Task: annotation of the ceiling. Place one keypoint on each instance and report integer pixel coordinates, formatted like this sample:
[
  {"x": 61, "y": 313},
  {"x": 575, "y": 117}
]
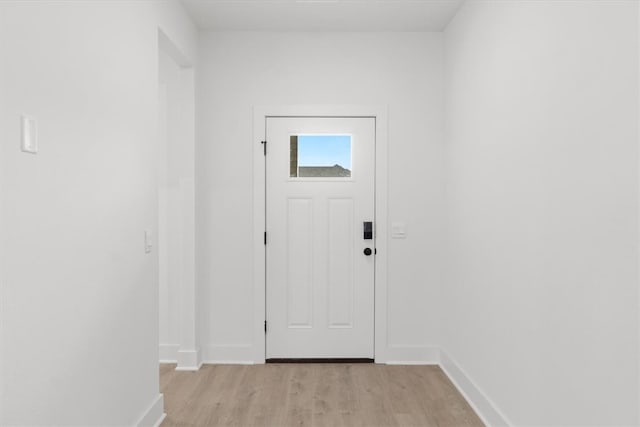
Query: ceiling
[{"x": 322, "y": 15}]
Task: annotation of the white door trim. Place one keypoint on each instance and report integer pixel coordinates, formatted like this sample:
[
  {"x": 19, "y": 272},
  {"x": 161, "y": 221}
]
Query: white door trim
[{"x": 260, "y": 113}]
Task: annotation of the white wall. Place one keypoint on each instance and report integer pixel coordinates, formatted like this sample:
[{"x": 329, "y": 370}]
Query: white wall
[
  {"x": 542, "y": 189},
  {"x": 240, "y": 70},
  {"x": 79, "y": 294}
]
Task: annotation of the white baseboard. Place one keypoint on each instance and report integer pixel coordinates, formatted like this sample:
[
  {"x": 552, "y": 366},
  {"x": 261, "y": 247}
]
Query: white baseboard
[
  {"x": 169, "y": 353},
  {"x": 189, "y": 360},
  {"x": 229, "y": 354},
  {"x": 481, "y": 404},
  {"x": 412, "y": 355},
  {"x": 153, "y": 416}
]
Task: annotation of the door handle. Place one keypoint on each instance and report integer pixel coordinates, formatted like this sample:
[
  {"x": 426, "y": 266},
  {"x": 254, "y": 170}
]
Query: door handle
[{"x": 368, "y": 251}]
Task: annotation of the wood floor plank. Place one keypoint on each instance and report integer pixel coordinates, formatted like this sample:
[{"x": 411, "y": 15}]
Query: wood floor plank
[
  {"x": 317, "y": 395},
  {"x": 374, "y": 401}
]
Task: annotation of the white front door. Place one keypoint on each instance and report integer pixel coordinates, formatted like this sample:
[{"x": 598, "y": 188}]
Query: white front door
[{"x": 320, "y": 251}]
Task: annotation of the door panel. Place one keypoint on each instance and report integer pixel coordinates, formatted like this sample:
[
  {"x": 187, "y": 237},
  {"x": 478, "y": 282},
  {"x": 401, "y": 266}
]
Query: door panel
[
  {"x": 300, "y": 263},
  {"x": 320, "y": 190},
  {"x": 341, "y": 251}
]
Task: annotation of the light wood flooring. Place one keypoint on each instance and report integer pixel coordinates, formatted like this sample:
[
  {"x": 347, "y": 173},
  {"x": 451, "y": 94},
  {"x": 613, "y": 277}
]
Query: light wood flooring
[{"x": 313, "y": 395}]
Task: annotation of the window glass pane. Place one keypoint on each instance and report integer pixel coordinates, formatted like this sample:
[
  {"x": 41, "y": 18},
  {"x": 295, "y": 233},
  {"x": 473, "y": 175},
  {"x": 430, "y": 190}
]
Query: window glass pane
[{"x": 320, "y": 156}]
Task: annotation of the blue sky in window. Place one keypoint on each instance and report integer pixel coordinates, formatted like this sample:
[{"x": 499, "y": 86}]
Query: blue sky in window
[{"x": 324, "y": 150}]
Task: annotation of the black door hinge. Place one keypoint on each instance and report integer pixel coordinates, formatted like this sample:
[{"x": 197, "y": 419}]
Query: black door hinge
[
  {"x": 265, "y": 237},
  {"x": 264, "y": 146},
  {"x": 265, "y": 326}
]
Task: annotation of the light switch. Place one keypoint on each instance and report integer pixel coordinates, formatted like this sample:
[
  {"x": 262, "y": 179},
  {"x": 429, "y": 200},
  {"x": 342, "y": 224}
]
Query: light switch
[
  {"x": 398, "y": 230},
  {"x": 29, "y": 143},
  {"x": 148, "y": 241}
]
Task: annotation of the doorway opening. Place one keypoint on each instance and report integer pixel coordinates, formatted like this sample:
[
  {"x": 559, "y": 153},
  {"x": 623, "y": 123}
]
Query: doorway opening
[{"x": 178, "y": 314}]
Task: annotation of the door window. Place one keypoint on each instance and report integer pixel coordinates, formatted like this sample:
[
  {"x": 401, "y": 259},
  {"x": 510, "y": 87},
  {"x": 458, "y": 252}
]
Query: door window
[{"x": 320, "y": 156}]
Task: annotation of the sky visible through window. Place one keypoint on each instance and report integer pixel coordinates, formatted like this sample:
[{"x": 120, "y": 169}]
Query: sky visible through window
[{"x": 324, "y": 150}]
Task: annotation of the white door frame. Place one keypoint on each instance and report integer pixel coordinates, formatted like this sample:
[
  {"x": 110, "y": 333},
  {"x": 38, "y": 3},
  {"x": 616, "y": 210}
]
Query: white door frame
[{"x": 260, "y": 114}]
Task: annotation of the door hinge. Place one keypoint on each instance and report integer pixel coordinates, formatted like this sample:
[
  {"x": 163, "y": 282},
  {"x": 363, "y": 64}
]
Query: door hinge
[
  {"x": 265, "y": 237},
  {"x": 264, "y": 146},
  {"x": 265, "y": 326}
]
